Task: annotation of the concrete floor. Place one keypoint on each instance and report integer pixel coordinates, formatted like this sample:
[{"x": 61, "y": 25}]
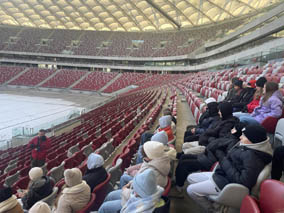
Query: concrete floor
[{"x": 184, "y": 118}]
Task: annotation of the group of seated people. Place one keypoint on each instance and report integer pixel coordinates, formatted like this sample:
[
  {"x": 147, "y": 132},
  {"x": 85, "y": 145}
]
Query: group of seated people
[
  {"x": 141, "y": 184},
  {"x": 229, "y": 144},
  {"x": 74, "y": 196},
  {"x": 228, "y": 136}
]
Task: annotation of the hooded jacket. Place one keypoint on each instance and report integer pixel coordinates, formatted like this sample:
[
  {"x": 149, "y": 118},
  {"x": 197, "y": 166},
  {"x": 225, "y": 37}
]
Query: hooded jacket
[
  {"x": 243, "y": 164},
  {"x": 252, "y": 105},
  {"x": 9, "y": 203},
  {"x": 73, "y": 198},
  {"x": 219, "y": 130},
  {"x": 272, "y": 107},
  {"x": 246, "y": 97},
  {"x": 38, "y": 190},
  {"x": 41, "y": 152},
  {"x": 95, "y": 176}
]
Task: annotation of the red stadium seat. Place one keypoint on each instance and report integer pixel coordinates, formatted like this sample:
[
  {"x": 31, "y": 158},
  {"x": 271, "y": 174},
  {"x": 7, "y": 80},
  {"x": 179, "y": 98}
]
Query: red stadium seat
[
  {"x": 89, "y": 206},
  {"x": 249, "y": 205},
  {"x": 101, "y": 191}
]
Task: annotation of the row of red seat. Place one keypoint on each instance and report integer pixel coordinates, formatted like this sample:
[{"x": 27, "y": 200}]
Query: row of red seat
[{"x": 62, "y": 143}]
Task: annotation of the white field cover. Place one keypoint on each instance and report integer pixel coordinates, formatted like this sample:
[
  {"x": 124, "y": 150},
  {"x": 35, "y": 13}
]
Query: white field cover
[{"x": 30, "y": 112}]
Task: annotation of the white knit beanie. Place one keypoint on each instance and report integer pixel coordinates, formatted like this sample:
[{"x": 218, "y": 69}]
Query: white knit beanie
[
  {"x": 165, "y": 121},
  {"x": 154, "y": 149},
  {"x": 210, "y": 100},
  {"x": 35, "y": 173},
  {"x": 40, "y": 207},
  {"x": 72, "y": 177}
]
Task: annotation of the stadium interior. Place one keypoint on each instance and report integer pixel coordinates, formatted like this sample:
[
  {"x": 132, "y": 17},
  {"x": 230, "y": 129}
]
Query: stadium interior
[{"x": 124, "y": 62}]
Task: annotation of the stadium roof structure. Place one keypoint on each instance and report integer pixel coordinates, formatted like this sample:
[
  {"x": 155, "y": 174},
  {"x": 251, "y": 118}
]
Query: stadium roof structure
[{"x": 124, "y": 15}]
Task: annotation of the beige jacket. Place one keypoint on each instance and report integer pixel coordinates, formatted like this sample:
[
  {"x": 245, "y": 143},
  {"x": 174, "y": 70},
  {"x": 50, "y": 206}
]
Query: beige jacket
[
  {"x": 73, "y": 198},
  {"x": 11, "y": 205}
]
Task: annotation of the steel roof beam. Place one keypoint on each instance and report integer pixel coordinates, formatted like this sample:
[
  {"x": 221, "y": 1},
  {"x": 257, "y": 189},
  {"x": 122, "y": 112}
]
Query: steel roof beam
[
  {"x": 180, "y": 12},
  {"x": 163, "y": 13}
]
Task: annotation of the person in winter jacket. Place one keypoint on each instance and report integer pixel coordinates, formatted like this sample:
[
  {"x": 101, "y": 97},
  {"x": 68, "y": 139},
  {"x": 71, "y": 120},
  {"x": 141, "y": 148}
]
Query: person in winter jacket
[
  {"x": 238, "y": 92},
  {"x": 34, "y": 174},
  {"x": 39, "y": 189},
  {"x": 95, "y": 173},
  {"x": 40, "y": 207},
  {"x": 270, "y": 106},
  {"x": 144, "y": 195},
  {"x": 254, "y": 103},
  {"x": 161, "y": 137},
  {"x": 231, "y": 91},
  {"x": 246, "y": 97},
  {"x": 39, "y": 146},
  {"x": 165, "y": 125},
  {"x": 75, "y": 196},
  {"x": 8, "y": 201},
  {"x": 207, "y": 120},
  {"x": 222, "y": 127},
  {"x": 154, "y": 158},
  {"x": 277, "y": 163},
  {"x": 242, "y": 165},
  {"x": 214, "y": 152}
]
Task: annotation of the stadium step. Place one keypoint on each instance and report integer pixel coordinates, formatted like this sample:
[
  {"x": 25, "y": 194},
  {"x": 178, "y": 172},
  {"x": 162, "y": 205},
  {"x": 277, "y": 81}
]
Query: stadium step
[
  {"x": 78, "y": 81},
  {"x": 49, "y": 77},
  {"x": 15, "y": 77},
  {"x": 110, "y": 82}
]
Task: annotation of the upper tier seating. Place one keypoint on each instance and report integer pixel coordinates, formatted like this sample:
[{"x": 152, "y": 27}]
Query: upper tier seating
[
  {"x": 102, "y": 43},
  {"x": 32, "y": 77}
]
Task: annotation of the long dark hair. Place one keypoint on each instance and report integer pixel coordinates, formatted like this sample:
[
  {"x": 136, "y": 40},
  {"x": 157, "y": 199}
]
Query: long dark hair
[{"x": 270, "y": 88}]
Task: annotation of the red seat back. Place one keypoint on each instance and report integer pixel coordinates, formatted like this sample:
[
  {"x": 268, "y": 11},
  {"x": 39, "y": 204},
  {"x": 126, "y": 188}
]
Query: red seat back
[
  {"x": 168, "y": 188},
  {"x": 249, "y": 204},
  {"x": 271, "y": 196},
  {"x": 101, "y": 191}
]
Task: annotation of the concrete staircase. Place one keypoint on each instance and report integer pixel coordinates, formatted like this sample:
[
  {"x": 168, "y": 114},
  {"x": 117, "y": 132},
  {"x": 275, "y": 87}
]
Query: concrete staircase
[
  {"x": 77, "y": 82},
  {"x": 17, "y": 76},
  {"x": 49, "y": 77},
  {"x": 110, "y": 82}
]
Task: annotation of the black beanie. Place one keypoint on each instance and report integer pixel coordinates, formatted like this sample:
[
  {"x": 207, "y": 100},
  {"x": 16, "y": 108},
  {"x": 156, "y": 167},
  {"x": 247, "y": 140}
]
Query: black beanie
[
  {"x": 5, "y": 193},
  {"x": 255, "y": 133},
  {"x": 213, "y": 108},
  {"x": 226, "y": 110},
  {"x": 260, "y": 82},
  {"x": 238, "y": 83}
]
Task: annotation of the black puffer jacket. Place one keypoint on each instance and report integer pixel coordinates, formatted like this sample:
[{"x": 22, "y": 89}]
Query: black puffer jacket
[
  {"x": 206, "y": 123},
  {"x": 38, "y": 190},
  {"x": 221, "y": 129},
  {"x": 245, "y": 98},
  {"x": 216, "y": 151},
  {"x": 242, "y": 165},
  {"x": 95, "y": 176}
]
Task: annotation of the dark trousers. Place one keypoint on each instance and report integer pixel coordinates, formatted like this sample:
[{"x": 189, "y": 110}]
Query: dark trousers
[
  {"x": 186, "y": 165},
  {"x": 277, "y": 163},
  {"x": 37, "y": 163}
]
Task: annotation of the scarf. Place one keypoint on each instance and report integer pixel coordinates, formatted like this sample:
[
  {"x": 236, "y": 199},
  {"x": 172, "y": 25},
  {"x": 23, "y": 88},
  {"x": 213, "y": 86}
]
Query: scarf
[{"x": 142, "y": 205}]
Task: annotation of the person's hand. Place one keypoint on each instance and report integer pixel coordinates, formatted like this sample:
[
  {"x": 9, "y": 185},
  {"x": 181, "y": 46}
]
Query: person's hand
[
  {"x": 127, "y": 186},
  {"x": 21, "y": 194},
  {"x": 193, "y": 131}
]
